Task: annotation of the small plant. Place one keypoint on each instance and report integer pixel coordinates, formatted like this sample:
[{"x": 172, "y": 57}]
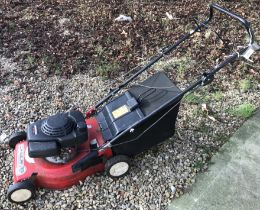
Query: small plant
[
  {"x": 194, "y": 98},
  {"x": 182, "y": 65},
  {"x": 165, "y": 65},
  {"x": 244, "y": 110},
  {"x": 30, "y": 60},
  {"x": 197, "y": 112},
  {"x": 105, "y": 69},
  {"x": 245, "y": 85},
  {"x": 57, "y": 69},
  {"x": 218, "y": 95},
  {"x": 99, "y": 50},
  {"x": 45, "y": 59},
  {"x": 199, "y": 165},
  {"x": 8, "y": 82},
  {"x": 222, "y": 138}
]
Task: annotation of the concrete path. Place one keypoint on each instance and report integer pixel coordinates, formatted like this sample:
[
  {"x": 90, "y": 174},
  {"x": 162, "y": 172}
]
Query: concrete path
[{"x": 233, "y": 181}]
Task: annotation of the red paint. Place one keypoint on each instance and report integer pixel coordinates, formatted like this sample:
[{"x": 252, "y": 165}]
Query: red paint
[
  {"x": 90, "y": 112},
  {"x": 59, "y": 176}
]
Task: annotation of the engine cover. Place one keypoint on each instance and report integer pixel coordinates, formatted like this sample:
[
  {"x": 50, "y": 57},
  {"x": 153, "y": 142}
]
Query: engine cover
[{"x": 47, "y": 136}]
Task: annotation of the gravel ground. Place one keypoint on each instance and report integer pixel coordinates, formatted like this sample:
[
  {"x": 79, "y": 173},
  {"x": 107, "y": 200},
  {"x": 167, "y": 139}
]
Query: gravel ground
[{"x": 157, "y": 176}]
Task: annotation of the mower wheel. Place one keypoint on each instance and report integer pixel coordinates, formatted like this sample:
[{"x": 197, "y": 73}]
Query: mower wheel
[
  {"x": 117, "y": 166},
  {"x": 16, "y": 138},
  {"x": 21, "y": 192}
]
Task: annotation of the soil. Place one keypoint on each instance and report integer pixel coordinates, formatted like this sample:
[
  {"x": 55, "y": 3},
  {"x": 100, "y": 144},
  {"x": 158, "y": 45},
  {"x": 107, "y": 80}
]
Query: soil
[{"x": 72, "y": 36}]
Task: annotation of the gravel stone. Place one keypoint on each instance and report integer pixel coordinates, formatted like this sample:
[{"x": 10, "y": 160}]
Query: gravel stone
[{"x": 157, "y": 176}]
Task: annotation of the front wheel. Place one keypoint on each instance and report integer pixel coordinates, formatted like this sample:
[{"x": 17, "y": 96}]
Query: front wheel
[
  {"x": 21, "y": 192},
  {"x": 117, "y": 166},
  {"x": 16, "y": 138}
]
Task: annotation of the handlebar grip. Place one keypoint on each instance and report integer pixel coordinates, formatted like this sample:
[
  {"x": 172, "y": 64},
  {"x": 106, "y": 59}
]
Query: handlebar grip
[{"x": 242, "y": 20}]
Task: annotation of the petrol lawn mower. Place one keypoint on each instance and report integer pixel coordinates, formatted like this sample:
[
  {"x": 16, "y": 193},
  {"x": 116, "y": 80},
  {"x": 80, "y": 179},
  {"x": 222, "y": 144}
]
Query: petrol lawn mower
[{"x": 63, "y": 149}]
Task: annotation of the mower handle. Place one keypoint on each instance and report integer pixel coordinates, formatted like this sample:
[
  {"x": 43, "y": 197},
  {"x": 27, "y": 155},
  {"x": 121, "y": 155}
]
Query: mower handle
[{"x": 235, "y": 16}]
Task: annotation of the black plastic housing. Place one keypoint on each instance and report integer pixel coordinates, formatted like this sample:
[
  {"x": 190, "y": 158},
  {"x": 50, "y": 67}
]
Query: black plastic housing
[
  {"x": 47, "y": 136},
  {"x": 157, "y": 122},
  {"x": 111, "y": 126}
]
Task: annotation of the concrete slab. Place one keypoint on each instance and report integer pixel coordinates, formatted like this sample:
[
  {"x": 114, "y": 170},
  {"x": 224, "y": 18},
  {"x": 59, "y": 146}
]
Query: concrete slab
[{"x": 233, "y": 181}]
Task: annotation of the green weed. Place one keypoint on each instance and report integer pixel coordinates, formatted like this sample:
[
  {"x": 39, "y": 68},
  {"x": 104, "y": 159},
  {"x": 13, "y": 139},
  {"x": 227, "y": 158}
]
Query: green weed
[
  {"x": 218, "y": 96},
  {"x": 197, "y": 112},
  {"x": 194, "y": 98},
  {"x": 245, "y": 85},
  {"x": 57, "y": 69},
  {"x": 182, "y": 65},
  {"x": 221, "y": 138},
  {"x": 105, "y": 69},
  {"x": 30, "y": 60},
  {"x": 244, "y": 110},
  {"x": 99, "y": 50},
  {"x": 45, "y": 59},
  {"x": 8, "y": 82}
]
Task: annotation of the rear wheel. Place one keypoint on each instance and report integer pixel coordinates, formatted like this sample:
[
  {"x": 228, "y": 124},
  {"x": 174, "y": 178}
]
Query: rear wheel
[
  {"x": 16, "y": 138},
  {"x": 21, "y": 192},
  {"x": 117, "y": 166}
]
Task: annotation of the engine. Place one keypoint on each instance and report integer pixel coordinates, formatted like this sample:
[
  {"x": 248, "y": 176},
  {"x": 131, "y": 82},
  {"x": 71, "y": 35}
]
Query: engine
[{"x": 47, "y": 137}]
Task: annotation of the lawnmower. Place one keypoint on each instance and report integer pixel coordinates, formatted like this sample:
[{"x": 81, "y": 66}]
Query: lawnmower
[{"x": 61, "y": 150}]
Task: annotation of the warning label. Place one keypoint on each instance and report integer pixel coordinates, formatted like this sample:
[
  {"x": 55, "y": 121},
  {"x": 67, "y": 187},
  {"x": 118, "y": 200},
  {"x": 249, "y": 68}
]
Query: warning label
[{"x": 122, "y": 110}]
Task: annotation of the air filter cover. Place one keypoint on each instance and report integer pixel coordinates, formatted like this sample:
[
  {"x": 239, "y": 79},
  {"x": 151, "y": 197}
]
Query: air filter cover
[
  {"x": 57, "y": 125},
  {"x": 48, "y": 136}
]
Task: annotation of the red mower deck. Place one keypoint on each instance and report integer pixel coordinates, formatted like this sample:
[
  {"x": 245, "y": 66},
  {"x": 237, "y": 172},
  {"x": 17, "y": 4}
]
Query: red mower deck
[{"x": 57, "y": 176}]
